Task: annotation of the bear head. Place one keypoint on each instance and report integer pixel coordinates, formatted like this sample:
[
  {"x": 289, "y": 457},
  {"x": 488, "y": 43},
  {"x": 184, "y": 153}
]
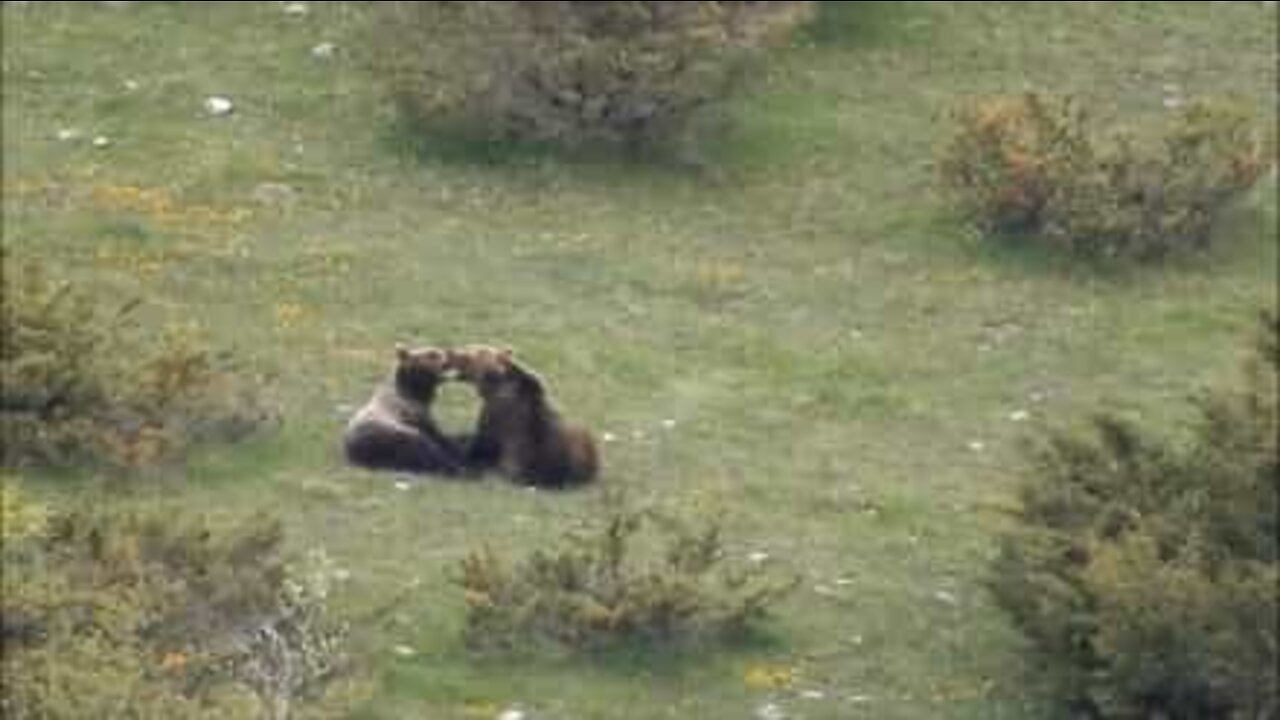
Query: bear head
[
  {"x": 493, "y": 370},
  {"x": 420, "y": 370}
]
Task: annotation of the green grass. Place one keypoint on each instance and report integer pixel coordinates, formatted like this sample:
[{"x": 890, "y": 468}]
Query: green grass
[{"x": 826, "y": 335}]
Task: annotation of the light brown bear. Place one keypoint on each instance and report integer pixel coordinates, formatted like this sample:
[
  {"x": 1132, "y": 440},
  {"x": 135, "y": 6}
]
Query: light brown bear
[
  {"x": 395, "y": 429},
  {"x": 519, "y": 431}
]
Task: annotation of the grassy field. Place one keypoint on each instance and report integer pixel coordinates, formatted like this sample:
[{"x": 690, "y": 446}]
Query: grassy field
[{"x": 802, "y": 340}]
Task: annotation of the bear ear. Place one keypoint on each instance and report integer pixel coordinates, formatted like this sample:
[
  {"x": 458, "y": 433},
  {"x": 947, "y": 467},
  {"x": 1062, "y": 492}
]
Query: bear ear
[
  {"x": 402, "y": 352},
  {"x": 506, "y": 353}
]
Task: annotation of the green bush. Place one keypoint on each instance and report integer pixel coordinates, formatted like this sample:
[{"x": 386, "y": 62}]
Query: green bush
[
  {"x": 1033, "y": 167},
  {"x": 1146, "y": 570},
  {"x": 79, "y": 383},
  {"x": 625, "y": 73},
  {"x": 600, "y": 588},
  {"x": 139, "y": 615}
]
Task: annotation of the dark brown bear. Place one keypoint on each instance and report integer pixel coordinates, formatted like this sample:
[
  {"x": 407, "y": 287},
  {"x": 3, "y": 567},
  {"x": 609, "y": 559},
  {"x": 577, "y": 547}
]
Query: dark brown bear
[
  {"x": 519, "y": 431},
  {"x": 395, "y": 429}
]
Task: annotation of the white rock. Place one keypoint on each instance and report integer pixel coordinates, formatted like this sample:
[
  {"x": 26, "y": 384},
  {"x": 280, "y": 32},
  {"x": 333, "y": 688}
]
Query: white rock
[
  {"x": 770, "y": 711},
  {"x": 977, "y": 445},
  {"x": 102, "y": 141},
  {"x": 69, "y": 134},
  {"x": 324, "y": 51},
  {"x": 296, "y": 9},
  {"x": 272, "y": 193},
  {"x": 813, "y": 695},
  {"x": 668, "y": 424},
  {"x": 758, "y": 557},
  {"x": 513, "y": 714},
  {"x": 946, "y": 597},
  {"x": 859, "y": 699},
  {"x": 608, "y": 437},
  {"x": 403, "y": 486},
  {"x": 217, "y": 105},
  {"x": 1173, "y": 102},
  {"x": 404, "y": 651},
  {"x": 1019, "y": 416},
  {"x": 131, "y": 85},
  {"x": 843, "y": 582}
]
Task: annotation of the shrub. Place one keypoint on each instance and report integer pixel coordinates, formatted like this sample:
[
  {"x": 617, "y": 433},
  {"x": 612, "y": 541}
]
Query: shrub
[
  {"x": 1033, "y": 167},
  {"x": 80, "y": 383},
  {"x": 597, "y": 590},
  {"x": 128, "y": 615},
  {"x": 624, "y": 73},
  {"x": 1145, "y": 571}
]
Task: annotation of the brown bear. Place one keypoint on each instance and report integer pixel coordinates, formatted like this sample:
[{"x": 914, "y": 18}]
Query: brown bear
[
  {"x": 395, "y": 429},
  {"x": 519, "y": 431}
]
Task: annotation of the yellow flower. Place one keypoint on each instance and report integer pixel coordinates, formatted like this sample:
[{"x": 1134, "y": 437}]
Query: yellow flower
[
  {"x": 288, "y": 314},
  {"x": 479, "y": 709},
  {"x": 768, "y": 677},
  {"x": 173, "y": 661}
]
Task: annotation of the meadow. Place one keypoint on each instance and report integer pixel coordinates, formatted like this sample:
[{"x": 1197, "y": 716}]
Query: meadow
[{"x": 800, "y": 338}]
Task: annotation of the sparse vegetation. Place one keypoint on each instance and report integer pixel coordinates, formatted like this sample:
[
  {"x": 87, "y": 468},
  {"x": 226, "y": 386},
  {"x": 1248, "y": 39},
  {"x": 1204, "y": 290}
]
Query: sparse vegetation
[
  {"x": 154, "y": 615},
  {"x": 603, "y": 587},
  {"x": 1034, "y": 167},
  {"x": 82, "y": 383},
  {"x": 1146, "y": 571},
  {"x": 633, "y": 74}
]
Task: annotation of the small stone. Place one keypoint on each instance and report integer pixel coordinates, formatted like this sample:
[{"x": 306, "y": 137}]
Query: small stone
[
  {"x": 1019, "y": 416},
  {"x": 131, "y": 85},
  {"x": 404, "y": 651},
  {"x": 668, "y": 424},
  {"x": 946, "y": 597},
  {"x": 608, "y": 437},
  {"x": 274, "y": 194},
  {"x": 977, "y": 446},
  {"x": 859, "y": 699},
  {"x": 402, "y": 486},
  {"x": 758, "y": 557},
  {"x": 102, "y": 141},
  {"x": 69, "y": 134},
  {"x": 770, "y": 711},
  {"x": 513, "y": 714},
  {"x": 324, "y": 51},
  {"x": 219, "y": 106},
  {"x": 844, "y": 582},
  {"x": 296, "y": 9},
  {"x": 813, "y": 695},
  {"x": 1173, "y": 102}
]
